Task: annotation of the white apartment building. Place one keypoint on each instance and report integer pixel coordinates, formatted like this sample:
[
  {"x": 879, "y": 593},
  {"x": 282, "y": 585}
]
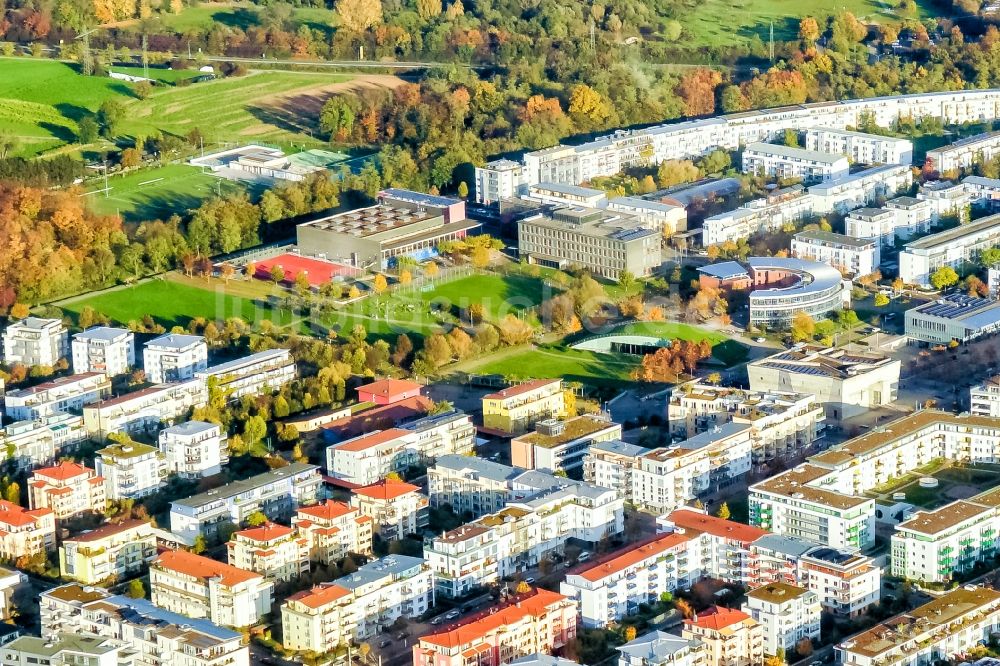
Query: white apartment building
[
  {"x": 558, "y": 444},
  {"x": 194, "y": 449},
  {"x": 104, "y": 349},
  {"x": 69, "y": 489},
  {"x": 658, "y": 648},
  {"x": 161, "y": 637},
  {"x": 131, "y": 469},
  {"x": 396, "y": 508},
  {"x": 144, "y": 411},
  {"x": 939, "y": 630},
  {"x": 174, "y": 357},
  {"x": 277, "y": 552},
  {"x": 878, "y": 224},
  {"x": 913, "y": 216},
  {"x": 199, "y": 587},
  {"x": 847, "y": 583},
  {"x": 25, "y": 531},
  {"x": 858, "y": 147},
  {"x": 499, "y": 179},
  {"x": 863, "y": 188},
  {"x": 984, "y": 399},
  {"x": 115, "y": 551},
  {"x": 733, "y": 638},
  {"x": 333, "y": 530},
  {"x": 851, "y": 256},
  {"x": 667, "y": 218},
  {"x": 357, "y": 606},
  {"x": 34, "y": 341},
  {"x": 567, "y": 195},
  {"x": 965, "y": 153},
  {"x": 786, "y": 614},
  {"x": 954, "y": 247},
  {"x": 67, "y": 650},
  {"x": 256, "y": 374},
  {"x": 470, "y": 483},
  {"x": 277, "y": 493},
  {"x": 787, "y": 205},
  {"x": 783, "y": 162},
  {"x": 983, "y": 192},
  {"x": 37, "y": 443},
  {"x": 59, "y": 395},
  {"x": 946, "y": 198}
]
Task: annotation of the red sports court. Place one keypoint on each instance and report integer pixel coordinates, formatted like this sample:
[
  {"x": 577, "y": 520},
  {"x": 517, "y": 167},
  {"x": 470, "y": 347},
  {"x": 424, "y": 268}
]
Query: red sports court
[{"x": 319, "y": 271}]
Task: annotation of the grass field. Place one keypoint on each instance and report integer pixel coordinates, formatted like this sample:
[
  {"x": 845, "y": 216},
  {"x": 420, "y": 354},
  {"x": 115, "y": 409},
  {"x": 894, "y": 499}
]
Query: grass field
[
  {"x": 572, "y": 365},
  {"x": 727, "y": 351},
  {"x": 206, "y": 16},
  {"x": 163, "y": 74}
]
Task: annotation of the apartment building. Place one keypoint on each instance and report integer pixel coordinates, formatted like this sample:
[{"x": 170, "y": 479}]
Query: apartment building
[
  {"x": 144, "y": 411},
  {"x": 37, "y": 443},
  {"x": 603, "y": 241},
  {"x": 732, "y": 637},
  {"x": 983, "y": 192},
  {"x": 365, "y": 459},
  {"x": 499, "y": 179},
  {"x": 787, "y": 205},
  {"x": 863, "y": 188},
  {"x": 12, "y": 582},
  {"x": 396, "y": 508},
  {"x": 984, "y": 399},
  {"x": 25, "y": 531},
  {"x": 784, "y": 162},
  {"x": 333, "y": 530},
  {"x": 787, "y": 614},
  {"x": 194, "y": 449},
  {"x": 781, "y": 423},
  {"x": 851, "y": 256},
  {"x": 567, "y": 195},
  {"x": 858, "y": 147},
  {"x": 658, "y": 648},
  {"x": 913, "y": 216},
  {"x": 965, "y": 153},
  {"x": 358, "y": 606},
  {"x": 277, "y": 493},
  {"x": 878, "y": 224},
  {"x": 174, "y": 357},
  {"x": 847, "y": 583},
  {"x": 262, "y": 372},
  {"x": 277, "y": 552},
  {"x": 131, "y": 469},
  {"x": 537, "y": 622},
  {"x": 723, "y": 546},
  {"x": 56, "y": 396},
  {"x": 199, "y": 587},
  {"x": 516, "y": 409},
  {"x": 67, "y": 650},
  {"x": 116, "y": 551},
  {"x": 104, "y": 349},
  {"x": 940, "y": 630},
  {"x": 561, "y": 444},
  {"x": 161, "y": 637},
  {"x": 469, "y": 483},
  {"x": 665, "y": 217},
  {"x": 946, "y": 199},
  {"x": 954, "y": 247},
  {"x": 846, "y": 382},
  {"x": 35, "y": 341},
  {"x": 69, "y": 489}
]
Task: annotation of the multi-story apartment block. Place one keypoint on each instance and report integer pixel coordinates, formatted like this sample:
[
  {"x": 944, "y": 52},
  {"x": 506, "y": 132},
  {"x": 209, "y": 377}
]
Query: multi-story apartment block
[
  {"x": 12, "y": 582},
  {"x": 605, "y": 242},
  {"x": 199, "y": 587},
  {"x": 68, "y": 489},
  {"x": 359, "y": 605},
  {"x": 34, "y": 341},
  {"x": 913, "y": 216},
  {"x": 262, "y": 372},
  {"x": 787, "y": 614},
  {"x": 277, "y": 493},
  {"x": 876, "y": 224},
  {"x": 174, "y": 357},
  {"x": 516, "y": 409},
  {"x": 130, "y": 469},
  {"x": 396, "y": 508},
  {"x": 333, "y": 530},
  {"x": 782, "y": 206},
  {"x": 783, "y": 162},
  {"x": 658, "y": 648},
  {"x": 863, "y": 188},
  {"x": 469, "y": 483},
  {"x": 859, "y": 147},
  {"x": 732, "y": 637},
  {"x": 558, "y": 444},
  {"x": 567, "y": 195},
  {"x": 983, "y": 192},
  {"x": 946, "y": 198},
  {"x": 940, "y": 630},
  {"x": 664, "y": 217},
  {"x": 67, "y": 650},
  {"x": 537, "y": 622},
  {"x": 499, "y": 179},
  {"x": 37, "y": 443},
  {"x": 781, "y": 423},
  {"x": 984, "y": 398},
  {"x": 723, "y": 546},
  {"x": 954, "y": 247},
  {"x": 194, "y": 449},
  {"x": 144, "y": 411},
  {"x": 849, "y": 255},
  {"x": 104, "y": 349},
  {"x": 845, "y": 382},
  {"x": 965, "y": 153},
  {"x": 111, "y": 552},
  {"x": 25, "y": 531},
  {"x": 276, "y": 551},
  {"x": 847, "y": 583},
  {"x": 161, "y": 637},
  {"x": 56, "y": 396}
]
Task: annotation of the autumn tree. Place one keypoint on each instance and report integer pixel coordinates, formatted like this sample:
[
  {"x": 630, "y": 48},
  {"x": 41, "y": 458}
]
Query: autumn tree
[
  {"x": 21, "y": 310},
  {"x": 944, "y": 277},
  {"x": 881, "y": 300},
  {"x": 513, "y": 331},
  {"x": 676, "y": 172},
  {"x": 136, "y": 590},
  {"x": 685, "y": 609},
  {"x": 630, "y": 633},
  {"x": 379, "y": 284},
  {"x": 589, "y": 108},
  {"x": 724, "y": 512},
  {"x": 803, "y": 327},
  {"x": 809, "y": 30},
  {"x": 359, "y": 15},
  {"x": 256, "y": 519},
  {"x": 428, "y": 9},
  {"x": 696, "y": 90}
]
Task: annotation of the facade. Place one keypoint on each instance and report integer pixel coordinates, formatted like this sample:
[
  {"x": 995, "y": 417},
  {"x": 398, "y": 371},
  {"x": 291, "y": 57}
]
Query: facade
[
  {"x": 516, "y": 409},
  {"x": 783, "y": 206},
  {"x": 786, "y": 286},
  {"x": 983, "y": 192},
  {"x": 115, "y": 551},
  {"x": 468, "y": 483},
  {"x": 275, "y": 551},
  {"x": 499, "y": 179},
  {"x": 849, "y": 255},
  {"x": 863, "y": 188},
  {"x": 276, "y": 493},
  {"x": 965, "y": 153},
  {"x": 34, "y": 341},
  {"x": 913, "y": 216},
  {"x": 858, "y": 147},
  {"x": 658, "y": 648},
  {"x": 37, "y": 443},
  {"x": 562, "y": 444},
  {"x": 104, "y": 349},
  {"x": 131, "y": 469},
  {"x": 733, "y": 638},
  {"x": 68, "y": 489},
  {"x": 174, "y": 357},
  {"x": 199, "y": 587},
  {"x": 144, "y": 411},
  {"x": 662, "y": 216},
  {"x": 25, "y": 531},
  {"x": 567, "y": 195},
  {"x": 946, "y": 198},
  {"x": 846, "y": 382},
  {"x": 262, "y": 372},
  {"x": 783, "y": 162},
  {"x": 787, "y": 614},
  {"x": 193, "y": 449},
  {"x": 984, "y": 399},
  {"x": 952, "y": 317},
  {"x": 605, "y": 242},
  {"x": 954, "y": 247},
  {"x": 67, "y": 650},
  {"x": 847, "y": 583},
  {"x": 396, "y": 508},
  {"x": 878, "y": 224},
  {"x": 333, "y": 530},
  {"x": 537, "y": 622},
  {"x": 56, "y": 396}
]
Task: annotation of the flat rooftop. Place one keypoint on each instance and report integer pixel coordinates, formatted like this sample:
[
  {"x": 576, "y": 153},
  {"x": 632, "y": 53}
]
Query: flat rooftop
[
  {"x": 236, "y": 488},
  {"x": 365, "y": 222},
  {"x": 834, "y": 240},
  {"x": 574, "y": 428},
  {"x": 594, "y": 223},
  {"x": 985, "y": 225},
  {"x": 973, "y": 312},
  {"x": 789, "y": 152}
]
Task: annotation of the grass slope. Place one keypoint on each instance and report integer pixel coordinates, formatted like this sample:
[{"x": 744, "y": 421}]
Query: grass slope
[{"x": 573, "y": 365}]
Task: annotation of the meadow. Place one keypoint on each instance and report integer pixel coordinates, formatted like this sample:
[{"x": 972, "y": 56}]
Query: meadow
[
  {"x": 572, "y": 365},
  {"x": 243, "y": 16}
]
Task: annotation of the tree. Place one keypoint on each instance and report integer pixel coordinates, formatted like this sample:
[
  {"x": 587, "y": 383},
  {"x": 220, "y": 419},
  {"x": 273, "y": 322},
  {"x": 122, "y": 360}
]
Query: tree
[
  {"x": 463, "y": 190},
  {"x": 428, "y": 9},
  {"x": 131, "y": 158},
  {"x": 714, "y": 378},
  {"x": 803, "y": 327},
  {"x": 630, "y": 633},
  {"x": 697, "y": 91},
  {"x": 200, "y": 545},
  {"x": 277, "y": 274},
  {"x": 379, "y": 285},
  {"x": 676, "y": 172},
  {"x": 523, "y": 587},
  {"x": 136, "y": 590},
  {"x": 359, "y": 15},
  {"x": 724, "y": 512},
  {"x": 685, "y": 609},
  {"x": 881, "y": 300},
  {"x": 405, "y": 277},
  {"x": 21, "y": 310},
  {"x": 254, "y": 430},
  {"x": 302, "y": 284},
  {"x": 431, "y": 269},
  {"x": 480, "y": 256},
  {"x": 256, "y": 519},
  {"x": 809, "y": 30},
  {"x": 87, "y": 130},
  {"x": 775, "y": 660},
  {"x": 944, "y": 277},
  {"x": 110, "y": 116},
  {"x": 589, "y": 108},
  {"x": 804, "y": 647},
  {"x": 12, "y": 493},
  {"x": 626, "y": 280}
]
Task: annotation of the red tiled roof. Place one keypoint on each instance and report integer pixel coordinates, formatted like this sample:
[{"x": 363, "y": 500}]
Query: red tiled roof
[
  {"x": 718, "y": 617},
  {"x": 321, "y": 595},
  {"x": 372, "y": 439},
  {"x": 627, "y": 557},
  {"x": 389, "y": 387},
  {"x": 181, "y": 561},
  {"x": 380, "y": 417},
  {"x": 386, "y": 489},
  {"x": 266, "y": 532},
  {"x": 519, "y": 389},
  {"x": 105, "y": 531},
  {"x": 63, "y": 471},
  {"x": 18, "y": 516},
  {"x": 472, "y": 630},
  {"x": 727, "y": 529},
  {"x": 328, "y": 510}
]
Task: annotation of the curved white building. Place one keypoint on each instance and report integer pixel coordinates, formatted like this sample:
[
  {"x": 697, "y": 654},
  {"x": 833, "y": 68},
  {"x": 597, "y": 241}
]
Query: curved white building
[{"x": 784, "y": 286}]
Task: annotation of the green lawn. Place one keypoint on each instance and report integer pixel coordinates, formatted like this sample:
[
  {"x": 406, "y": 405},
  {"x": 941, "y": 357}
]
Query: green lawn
[
  {"x": 572, "y": 365},
  {"x": 205, "y": 16},
  {"x": 164, "y": 74},
  {"x": 729, "y": 352}
]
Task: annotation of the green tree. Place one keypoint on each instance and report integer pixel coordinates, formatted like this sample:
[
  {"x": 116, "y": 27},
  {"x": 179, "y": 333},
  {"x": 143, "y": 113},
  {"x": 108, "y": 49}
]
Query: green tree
[
  {"x": 110, "y": 116},
  {"x": 200, "y": 545},
  {"x": 136, "y": 590},
  {"x": 626, "y": 280},
  {"x": 87, "y": 130},
  {"x": 254, "y": 430},
  {"x": 944, "y": 277},
  {"x": 277, "y": 274},
  {"x": 12, "y": 493},
  {"x": 256, "y": 519}
]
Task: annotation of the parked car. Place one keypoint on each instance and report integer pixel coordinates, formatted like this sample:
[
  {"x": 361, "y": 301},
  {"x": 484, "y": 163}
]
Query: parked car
[
  {"x": 387, "y": 643},
  {"x": 529, "y": 580},
  {"x": 451, "y": 615},
  {"x": 584, "y": 556}
]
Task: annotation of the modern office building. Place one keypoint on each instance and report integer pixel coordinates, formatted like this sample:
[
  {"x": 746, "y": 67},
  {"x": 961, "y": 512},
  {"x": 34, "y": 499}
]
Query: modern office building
[
  {"x": 567, "y": 195},
  {"x": 851, "y": 256},
  {"x": 782, "y": 286},
  {"x": 558, "y": 444},
  {"x": 954, "y": 247},
  {"x": 174, "y": 357},
  {"x": 952, "y": 317},
  {"x": 104, "y": 349},
  {"x": 35, "y": 341},
  {"x": 784, "y": 162},
  {"x": 859, "y": 147},
  {"x": 664, "y": 216}
]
